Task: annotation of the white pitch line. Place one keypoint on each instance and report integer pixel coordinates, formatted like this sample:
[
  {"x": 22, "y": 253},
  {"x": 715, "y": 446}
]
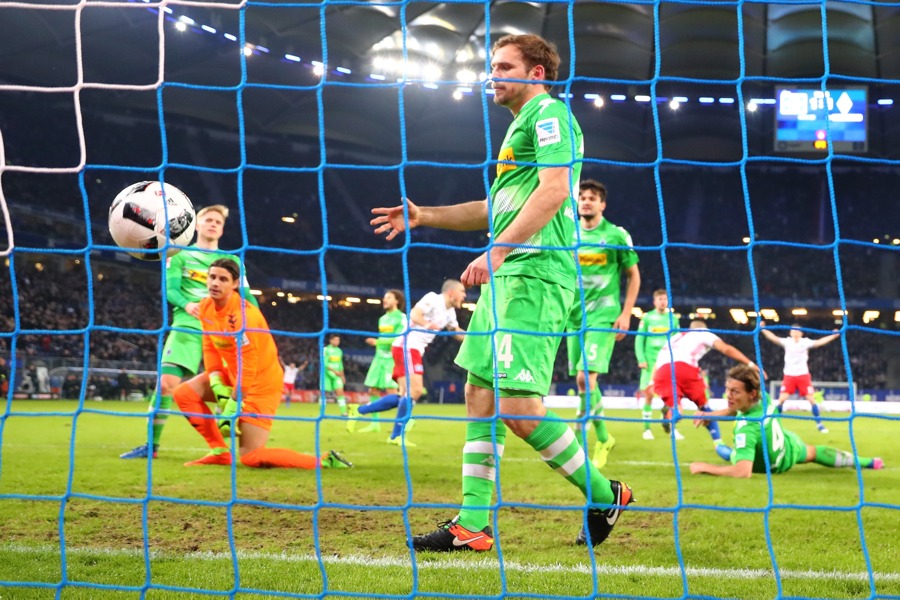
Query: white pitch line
[{"x": 486, "y": 564}]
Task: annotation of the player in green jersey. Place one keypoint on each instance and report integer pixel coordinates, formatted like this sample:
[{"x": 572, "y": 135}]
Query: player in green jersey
[
  {"x": 781, "y": 447},
  {"x": 528, "y": 285},
  {"x": 182, "y": 353},
  {"x": 606, "y": 256},
  {"x": 647, "y": 347},
  {"x": 379, "y": 378},
  {"x": 334, "y": 379}
]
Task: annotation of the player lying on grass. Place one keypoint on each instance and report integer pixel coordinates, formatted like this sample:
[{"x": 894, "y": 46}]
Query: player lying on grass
[
  {"x": 235, "y": 334},
  {"x": 784, "y": 448}
]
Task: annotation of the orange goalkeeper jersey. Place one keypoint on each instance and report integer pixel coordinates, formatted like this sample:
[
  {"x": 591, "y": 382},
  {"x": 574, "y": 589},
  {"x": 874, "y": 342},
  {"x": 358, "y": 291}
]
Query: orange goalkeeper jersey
[{"x": 261, "y": 372}]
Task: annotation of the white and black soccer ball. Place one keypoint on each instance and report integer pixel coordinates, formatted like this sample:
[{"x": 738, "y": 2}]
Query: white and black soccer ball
[{"x": 137, "y": 219}]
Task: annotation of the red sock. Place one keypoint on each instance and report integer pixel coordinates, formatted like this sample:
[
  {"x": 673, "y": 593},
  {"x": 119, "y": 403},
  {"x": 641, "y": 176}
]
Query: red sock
[
  {"x": 279, "y": 458},
  {"x": 190, "y": 402}
]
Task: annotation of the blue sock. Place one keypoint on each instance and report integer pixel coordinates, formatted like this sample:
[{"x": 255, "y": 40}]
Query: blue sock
[
  {"x": 402, "y": 412},
  {"x": 815, "y": 412},
  {"x": 712, "y": 426},
  {"x": 382, "y": 404}
]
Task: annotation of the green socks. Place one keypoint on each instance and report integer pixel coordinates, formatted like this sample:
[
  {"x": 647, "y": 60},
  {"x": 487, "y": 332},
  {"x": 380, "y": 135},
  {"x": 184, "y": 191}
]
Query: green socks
[
  {"x": 159, "y": 419},
  {"x": 559, "y": 448},
  {"x": 646, "y": 415},
  {"x": 596, "y": 413},
  {"x": 832, "y": 457},
  {"x": 479, "y": 472}
]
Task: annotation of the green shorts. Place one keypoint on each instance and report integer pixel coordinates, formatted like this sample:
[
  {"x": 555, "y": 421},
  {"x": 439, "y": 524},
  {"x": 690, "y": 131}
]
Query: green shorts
[
  {"x": 333, "y": 383},
  {"x": 380, "y": 371},
  {"x": 528, "y": 309},
  {"x": 184, "y": 350},
  {"x": 646, "y": 378},
  {"x": 598, "y": 348},
  {"x": 794, "y": 451}
]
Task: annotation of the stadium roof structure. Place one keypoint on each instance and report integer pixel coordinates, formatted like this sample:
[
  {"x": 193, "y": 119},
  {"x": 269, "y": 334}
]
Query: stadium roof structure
[{"x": 700, "y": 53}]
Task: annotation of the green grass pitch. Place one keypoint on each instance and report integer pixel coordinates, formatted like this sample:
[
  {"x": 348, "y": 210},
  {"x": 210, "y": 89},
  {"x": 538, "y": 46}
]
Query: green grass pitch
[{"x": 68, "y": 465}]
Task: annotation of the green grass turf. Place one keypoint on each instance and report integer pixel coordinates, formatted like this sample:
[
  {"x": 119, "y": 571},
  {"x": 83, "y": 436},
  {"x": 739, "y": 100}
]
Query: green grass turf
[{"x": 66, "y": 465}]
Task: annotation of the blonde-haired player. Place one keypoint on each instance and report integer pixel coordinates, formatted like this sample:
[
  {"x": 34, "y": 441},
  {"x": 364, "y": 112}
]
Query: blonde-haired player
[{"x": 186, "y": 274}]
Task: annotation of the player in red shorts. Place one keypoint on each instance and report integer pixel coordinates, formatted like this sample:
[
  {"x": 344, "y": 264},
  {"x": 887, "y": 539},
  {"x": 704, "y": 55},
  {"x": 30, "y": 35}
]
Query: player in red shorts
[
  {"x": 682, "y": 356},
  {"x": 796, "y": 376}
]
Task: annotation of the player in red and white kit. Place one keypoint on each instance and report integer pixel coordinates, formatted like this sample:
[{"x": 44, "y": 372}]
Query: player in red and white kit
[
  {"x": 433, "y": 313},
  {"x": 796, "y": 376},
  {"x": 682, "y": 356}
]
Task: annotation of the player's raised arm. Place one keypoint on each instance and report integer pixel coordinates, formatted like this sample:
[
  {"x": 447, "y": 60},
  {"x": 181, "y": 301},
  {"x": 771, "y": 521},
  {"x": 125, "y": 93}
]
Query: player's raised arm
[
  {"x": 825, "y": 340},
  {"x": 769, "y": 335},
  {"x": 469, "y": 216}
]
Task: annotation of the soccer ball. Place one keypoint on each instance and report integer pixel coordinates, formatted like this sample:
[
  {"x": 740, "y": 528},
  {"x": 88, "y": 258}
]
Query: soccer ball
[{"x": 137, "y": 219}]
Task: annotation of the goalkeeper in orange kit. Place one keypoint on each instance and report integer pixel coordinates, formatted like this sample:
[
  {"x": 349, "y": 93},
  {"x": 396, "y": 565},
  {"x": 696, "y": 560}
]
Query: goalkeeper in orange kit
[{"x": 235, "y": 334}]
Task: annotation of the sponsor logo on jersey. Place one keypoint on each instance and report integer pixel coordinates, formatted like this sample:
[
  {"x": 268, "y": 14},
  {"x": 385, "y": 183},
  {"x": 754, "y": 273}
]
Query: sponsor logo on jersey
[
  {"x": 524, "y": 376},
  {"x": 245, "y": 339},
  {"x": 589, "y": 259},
  {"x": 740, "y": 440},
  {"x": 221, "y": 342},
  {"x": 232, "y": 322},
  {"x": 196, "y": 275},
  {"x": 548, "y": 131},
  {"x": 506, "y": 154}
]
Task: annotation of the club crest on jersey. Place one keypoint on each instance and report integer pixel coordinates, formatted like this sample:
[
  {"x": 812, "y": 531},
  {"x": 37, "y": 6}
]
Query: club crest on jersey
[{"x": 548, "y": 131}]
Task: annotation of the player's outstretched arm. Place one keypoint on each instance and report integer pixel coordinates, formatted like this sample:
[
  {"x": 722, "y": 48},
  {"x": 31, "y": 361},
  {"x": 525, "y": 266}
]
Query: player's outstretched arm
[
  {"x": 769, "y": 335},
  {"x": 743, "y": 469},
  {"x": 825, "y": 340},
  {"x": 469, "y": 216}
]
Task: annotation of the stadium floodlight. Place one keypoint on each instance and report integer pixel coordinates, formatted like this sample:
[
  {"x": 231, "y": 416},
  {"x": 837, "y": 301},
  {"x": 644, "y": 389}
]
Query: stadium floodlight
[
  {"x": 726, "y": 100},
  {"x": 353, "y": 299},
  {"x": 262, "y": 49},
  {"x": 838, "y": 312},
  {"x": 897, "y": 316},
  {"x": 876, "y": 241},
  {"x": 705, "y": 100},
  {"x": 870, "y": 315},
  {"x": 799, "y": 312},
  {"x": 885, "y": 102},
  {"x": 377, "y": 77},
  {"x": 279, "y": 294},
  {"x": 680, "y": 99},
  {"x": 739, "y": 315},
  {"x": 752, "y": 314},
  {"x": 256, "y": 292},
  {"x": 598, "y": 102},
  {"x": 457, "y": 95},
  {"x": 770, "y": 314},
  {"x": 208, "y": 29},
  {"x": 465, "y": 76},
  {"x": 186, "y": 20},
  {"x": 896, "y": 241},
  {"x": 321, "y": 297},
  {"x": 228, "y": 36},
  {"x": 752, "y": 106},
  {"x": 248, "y": 51},
  {"x": 180, "y": 26},
  {"x": 318, "y": 68},
  {"x": 292, "y": 57},
  {"x": 343, "y": 70},
  {"x": 704, "y": 311},
  {"x": 642, "y": 98},
  {"x": 432, "y": 72},
  {"x": 674, "y": 104},
  {"x": 373, "y": 301},
  {"x": 617, "y": 97},
  {"x": 289, "y": 219}
]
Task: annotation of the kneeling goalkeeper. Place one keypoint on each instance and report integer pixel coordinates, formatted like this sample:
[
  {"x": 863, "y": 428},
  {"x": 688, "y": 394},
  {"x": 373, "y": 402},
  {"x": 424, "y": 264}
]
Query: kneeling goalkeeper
[{"x": 235, "y": 334}]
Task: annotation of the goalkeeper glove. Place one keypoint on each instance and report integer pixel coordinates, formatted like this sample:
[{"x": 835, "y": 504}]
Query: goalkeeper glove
[
  {"x": 227, "y": 416},
  {"x": 221, "y": 391}
]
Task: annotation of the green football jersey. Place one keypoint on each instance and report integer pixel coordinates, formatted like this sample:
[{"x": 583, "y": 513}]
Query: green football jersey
[
  {"x": 647, "y": 347},
  {"x": 601, "y": 272},
  {"x": 544, "y": 132},
  {"x": 390, "y": 325},
  {"x": 186, "y": 274},
  {"x": 784, "y": 448},
  {"x": 334, "y": 358}
]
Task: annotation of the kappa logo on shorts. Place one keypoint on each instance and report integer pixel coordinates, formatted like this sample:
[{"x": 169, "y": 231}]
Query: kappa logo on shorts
[{"x": 524, "y": 376}]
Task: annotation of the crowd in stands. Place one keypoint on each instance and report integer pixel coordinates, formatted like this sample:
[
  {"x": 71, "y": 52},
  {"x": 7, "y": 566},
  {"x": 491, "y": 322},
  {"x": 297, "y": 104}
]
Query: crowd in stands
[{"x": 707, "y": 215}]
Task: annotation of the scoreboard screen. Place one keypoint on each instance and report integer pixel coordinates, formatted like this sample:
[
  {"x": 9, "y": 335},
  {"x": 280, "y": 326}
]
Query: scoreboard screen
[{"x": 804, "y": 113}]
